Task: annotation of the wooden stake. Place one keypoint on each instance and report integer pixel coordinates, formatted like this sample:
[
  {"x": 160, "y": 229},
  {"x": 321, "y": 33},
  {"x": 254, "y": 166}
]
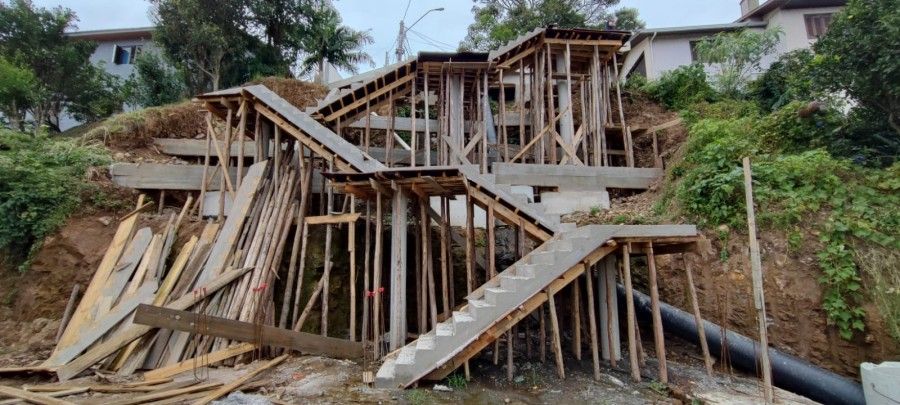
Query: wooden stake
[
  {"x": 695, "y": 306},
  {"x": 557, "y": 345},
  {"x": 629, "y": 304},
  {"x": 67, "y": 314},
  {"x": 759, "y": 300},
  {"x": 657, "y": 318},
  {"x": 576, "y": 319},
  {"x": 592, "y": 320},
  {"x": 351, "y": 236}
]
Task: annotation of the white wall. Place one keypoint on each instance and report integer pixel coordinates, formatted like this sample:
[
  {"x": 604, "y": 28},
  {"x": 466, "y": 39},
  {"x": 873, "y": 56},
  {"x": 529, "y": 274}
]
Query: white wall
[
  {"x": 104, "y": 56},
  {"x": 793, "y": 24}
]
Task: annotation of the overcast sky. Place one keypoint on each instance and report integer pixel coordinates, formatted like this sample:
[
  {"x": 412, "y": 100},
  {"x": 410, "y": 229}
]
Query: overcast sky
[{"x": 438, "y": 31}]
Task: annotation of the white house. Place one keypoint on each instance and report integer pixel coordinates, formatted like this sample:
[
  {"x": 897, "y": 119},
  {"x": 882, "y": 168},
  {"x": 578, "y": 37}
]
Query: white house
[
  {"x": 116, "y": 52},
  {"x": 656, "y": 51}
]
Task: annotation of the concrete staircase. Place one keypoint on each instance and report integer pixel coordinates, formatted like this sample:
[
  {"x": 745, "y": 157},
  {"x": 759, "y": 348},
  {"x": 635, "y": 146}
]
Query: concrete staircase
[{"x": 492, "y": 301}]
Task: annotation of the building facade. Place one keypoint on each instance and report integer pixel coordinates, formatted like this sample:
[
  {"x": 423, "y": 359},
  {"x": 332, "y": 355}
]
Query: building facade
[{"x": 653, "y": 52}]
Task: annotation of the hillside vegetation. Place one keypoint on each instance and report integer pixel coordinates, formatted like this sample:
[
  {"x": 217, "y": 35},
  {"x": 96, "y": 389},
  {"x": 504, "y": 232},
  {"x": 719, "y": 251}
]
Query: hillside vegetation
[{"x": 825, "y": 167}]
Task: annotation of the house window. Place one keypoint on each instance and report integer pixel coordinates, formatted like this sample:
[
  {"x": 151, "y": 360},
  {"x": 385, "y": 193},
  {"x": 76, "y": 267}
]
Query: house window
[
  {"x": 124, "y": 55},
  {"x": 694, "y": 56},
  {"x": 817, "y": 24}
]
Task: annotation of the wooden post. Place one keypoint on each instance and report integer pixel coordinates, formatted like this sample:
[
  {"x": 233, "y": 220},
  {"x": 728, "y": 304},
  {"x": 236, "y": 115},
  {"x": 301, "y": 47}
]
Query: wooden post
[
  {"x": 398, "y": 268},
  {"x": 759, "y": 300},
  {"x": 412, "y": 134},
  {"x": 427, "y": 135},
  {"x": 351, "y": 250},
  {"x": 366, "y": 281},
  {"x": 445, "y": 280},
  {"x": 576, "y": 319},
  {"x": 326, "y": 275},
  {"x": 542, "y": 334},
  {"x": 470, "y": 243},
  {"x": 695, "y": 306},
  {"x": 200, "y": 203},
  {"x": 557, "y": 345},
  {"x": 657, "y": 318},
  {"x": 592, "y": 319},
  {"x": 67, "y": 314},
  {"x": 376, "y": 277},
  {"x": 629, "y": 305}
]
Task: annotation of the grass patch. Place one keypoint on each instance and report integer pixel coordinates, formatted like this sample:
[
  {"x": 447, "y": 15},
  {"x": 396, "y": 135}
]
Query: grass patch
[{"x": 457, "y": 381}]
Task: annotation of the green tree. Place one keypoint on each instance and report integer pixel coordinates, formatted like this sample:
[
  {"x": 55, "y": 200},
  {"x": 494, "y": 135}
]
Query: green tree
[
  {"x": 627, "y": 19},
  {"x": 736, "y": 55},
  {"x": 324, "y": 39},
  {"x": 858, "y": 56},
  {"x": 154, "y": 82},
  {"x": 16, "y": 92},
  {"x": 34, "y": 39},
  {"x": 500, "y": 21},
  {"x": 203, "y": 38}
]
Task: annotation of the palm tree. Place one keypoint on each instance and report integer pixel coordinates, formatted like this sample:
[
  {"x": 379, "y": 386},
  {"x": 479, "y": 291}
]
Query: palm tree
[{"x": 324, "y": 39}]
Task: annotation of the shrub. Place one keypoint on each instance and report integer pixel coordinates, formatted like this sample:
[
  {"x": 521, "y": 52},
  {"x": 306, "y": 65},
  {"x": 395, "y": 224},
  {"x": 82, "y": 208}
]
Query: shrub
[
  {"x": 41, "y": 183},
  {"x": 681, "y": 87},
  {"x": 154, "y": 82},
  {"x": 785, "y": 130},
  {"x": 788, "y": 79}
]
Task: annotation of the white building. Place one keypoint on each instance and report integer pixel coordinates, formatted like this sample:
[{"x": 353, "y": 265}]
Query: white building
[
  {"x": 656, "y": 51},
  {"x": 116, "y": 52}
]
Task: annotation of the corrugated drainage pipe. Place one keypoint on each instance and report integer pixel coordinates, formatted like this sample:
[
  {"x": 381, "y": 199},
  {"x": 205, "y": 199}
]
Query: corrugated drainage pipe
[{"x": 788, "y": 372}]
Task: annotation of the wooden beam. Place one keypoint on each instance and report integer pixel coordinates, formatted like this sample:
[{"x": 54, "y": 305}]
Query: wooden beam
[
  {"x": 556, "y": 344},
  {"x": 199, "y": 361},
  {"x": 231, "y": 386},
  {"x": 122, "y": 338},
  {"x": 160, "y": 317},
  {"x": 333, "y": 219},
  {"x": 359, "y": 102},
  {"x": 32, "y": 397}
]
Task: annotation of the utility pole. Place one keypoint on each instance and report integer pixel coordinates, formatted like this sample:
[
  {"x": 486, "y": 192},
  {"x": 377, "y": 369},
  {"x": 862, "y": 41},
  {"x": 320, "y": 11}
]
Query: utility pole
[
  {"x": 401, "y": 39},
  {"x": 401, "y": 36}
]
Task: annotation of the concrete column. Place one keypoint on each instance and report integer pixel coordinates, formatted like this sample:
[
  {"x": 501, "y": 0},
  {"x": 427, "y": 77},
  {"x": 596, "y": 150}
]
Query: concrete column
[
  {"x": 455, "y": 113},
  {"x": 397, "y": 320},
  {"x": 609, "y": 308},
  {"x": 564, "y": 90}
]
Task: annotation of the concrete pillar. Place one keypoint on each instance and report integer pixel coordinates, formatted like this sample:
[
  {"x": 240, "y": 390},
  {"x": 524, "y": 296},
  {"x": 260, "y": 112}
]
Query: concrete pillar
[
  {"x": 609, "y": 308},
  {"x": 397, "y": 311},
  {"x": 564, "y": 90}
]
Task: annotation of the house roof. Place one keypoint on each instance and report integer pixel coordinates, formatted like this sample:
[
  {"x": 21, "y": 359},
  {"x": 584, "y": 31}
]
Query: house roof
[
  {"x": 695, "y": 29},
  {"x": 114, "y": 34},
  {"x": 765, "y": 8}
]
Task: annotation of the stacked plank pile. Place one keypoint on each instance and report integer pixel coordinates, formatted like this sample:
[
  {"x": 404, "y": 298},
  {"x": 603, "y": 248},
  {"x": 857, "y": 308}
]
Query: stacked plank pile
[{"x": 150, "y": 306}]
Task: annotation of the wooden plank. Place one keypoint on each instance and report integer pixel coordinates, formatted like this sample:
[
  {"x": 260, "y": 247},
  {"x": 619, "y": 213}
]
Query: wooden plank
[
  {"x": 333, "y": 219},
  {"x": 132, "y": 332},
  {"x": 630, "y": 316},
  {"x": 759, "y": 300},
  {"x": 556, "y": 344},
  {"x": 102, "y": 325},
  {"x": 159, "y": 176},
  {"x": 31, "y": 396},
  {"x": 84, "y": 312},
  {"x": 200, "y": 361},
  {"x": 157, "y": 396},
  {"x": 54, "y": 394},
  {"x": 220, "y": 254},
  {"x": 160, "y": 317},
  {"x": 584, "y": 42},
  {"x": 240, "y": 381},
  {"x": 658, "y": 339}
]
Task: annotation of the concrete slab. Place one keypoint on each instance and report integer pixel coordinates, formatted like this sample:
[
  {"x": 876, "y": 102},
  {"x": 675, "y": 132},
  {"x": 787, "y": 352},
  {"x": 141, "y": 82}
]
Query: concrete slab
[
  {"x": 880, "y": 382},
  {"x": 567, "y": 202}
]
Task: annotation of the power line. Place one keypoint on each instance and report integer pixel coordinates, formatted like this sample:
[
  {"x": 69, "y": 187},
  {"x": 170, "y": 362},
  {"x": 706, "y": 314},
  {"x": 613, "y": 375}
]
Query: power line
[
  {"x": 426, "y": 37},
  {"x": 406, "y": 11}
]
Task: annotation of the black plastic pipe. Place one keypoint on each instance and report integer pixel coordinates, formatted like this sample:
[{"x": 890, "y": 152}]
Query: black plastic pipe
[{"x": 788, "y": 372}]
